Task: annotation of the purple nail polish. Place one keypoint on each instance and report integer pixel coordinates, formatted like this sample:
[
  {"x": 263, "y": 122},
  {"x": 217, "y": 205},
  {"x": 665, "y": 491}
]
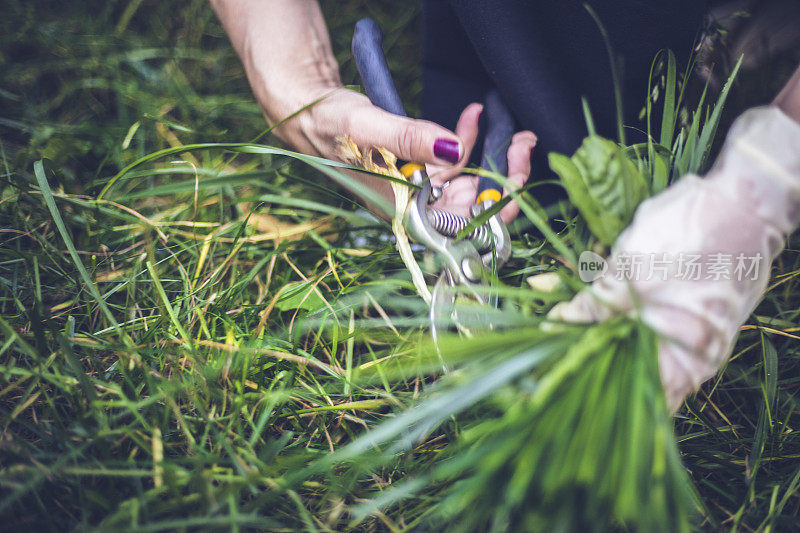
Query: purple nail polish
[{"x": 447, "y": 150}]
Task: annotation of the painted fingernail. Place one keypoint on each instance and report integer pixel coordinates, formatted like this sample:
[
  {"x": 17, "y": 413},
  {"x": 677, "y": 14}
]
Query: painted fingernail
[{"x": 447, "y": 150}]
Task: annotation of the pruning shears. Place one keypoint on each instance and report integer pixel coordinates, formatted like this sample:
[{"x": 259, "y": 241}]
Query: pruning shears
[{"x": 465, "y": 262}]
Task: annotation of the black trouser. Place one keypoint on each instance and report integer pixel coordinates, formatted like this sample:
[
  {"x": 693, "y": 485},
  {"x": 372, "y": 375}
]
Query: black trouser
[{"x": 544, "y": 56}]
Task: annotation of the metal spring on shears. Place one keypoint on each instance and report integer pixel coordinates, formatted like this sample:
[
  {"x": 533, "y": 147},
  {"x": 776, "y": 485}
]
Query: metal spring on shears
[{"x": 449, "y": 225}]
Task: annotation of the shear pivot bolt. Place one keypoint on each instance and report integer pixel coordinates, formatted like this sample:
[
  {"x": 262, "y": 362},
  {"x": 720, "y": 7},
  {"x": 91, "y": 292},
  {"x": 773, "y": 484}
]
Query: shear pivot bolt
[{"x": 471, "y": 267}]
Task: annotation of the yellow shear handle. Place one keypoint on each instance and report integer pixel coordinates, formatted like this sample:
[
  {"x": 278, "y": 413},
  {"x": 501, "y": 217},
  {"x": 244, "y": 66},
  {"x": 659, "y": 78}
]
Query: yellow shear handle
[
  {"x": 489, "y": 194},
  {"x": 409, "y": 168}
]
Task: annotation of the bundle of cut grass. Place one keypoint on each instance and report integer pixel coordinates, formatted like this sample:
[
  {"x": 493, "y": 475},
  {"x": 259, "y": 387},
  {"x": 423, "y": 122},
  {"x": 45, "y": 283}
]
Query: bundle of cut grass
[{"x": 571, "y": 433}]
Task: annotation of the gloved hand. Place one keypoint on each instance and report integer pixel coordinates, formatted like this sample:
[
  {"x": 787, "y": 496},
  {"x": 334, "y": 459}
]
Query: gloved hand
[{"x": 696, "y": 259}]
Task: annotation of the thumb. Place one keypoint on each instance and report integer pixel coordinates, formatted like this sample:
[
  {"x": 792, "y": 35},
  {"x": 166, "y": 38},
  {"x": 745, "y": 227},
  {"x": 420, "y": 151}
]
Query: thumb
[{"x": 408, "y": 139}]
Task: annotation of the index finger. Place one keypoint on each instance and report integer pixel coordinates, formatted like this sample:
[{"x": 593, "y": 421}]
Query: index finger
[{"x": 519, "y": 169}]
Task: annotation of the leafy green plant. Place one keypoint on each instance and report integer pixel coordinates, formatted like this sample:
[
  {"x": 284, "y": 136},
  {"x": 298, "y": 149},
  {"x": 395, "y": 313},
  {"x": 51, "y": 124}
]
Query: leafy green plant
[
  {"x": 603, "y": 184},
  {"x": 606, "y": 182}
]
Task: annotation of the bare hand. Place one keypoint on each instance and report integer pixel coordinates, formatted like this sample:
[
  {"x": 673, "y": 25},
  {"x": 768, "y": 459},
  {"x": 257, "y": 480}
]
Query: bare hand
[{"x": 461, "y": 189}]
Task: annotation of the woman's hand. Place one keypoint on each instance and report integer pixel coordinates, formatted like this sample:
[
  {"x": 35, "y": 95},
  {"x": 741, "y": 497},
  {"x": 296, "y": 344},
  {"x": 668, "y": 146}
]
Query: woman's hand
[
  {"x": 286, "y": 51},
  {"x": 460, "y": 190},
  {"x": 341, "y": 112}
]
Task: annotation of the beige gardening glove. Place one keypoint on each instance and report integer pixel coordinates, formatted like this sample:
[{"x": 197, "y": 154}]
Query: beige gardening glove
[{"x": 695, "y": 261}]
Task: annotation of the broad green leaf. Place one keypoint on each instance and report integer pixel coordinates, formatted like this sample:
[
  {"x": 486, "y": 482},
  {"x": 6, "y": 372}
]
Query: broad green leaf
[
  {"x": 604, "y": 227},
  {"x": 603, "y": 184}
]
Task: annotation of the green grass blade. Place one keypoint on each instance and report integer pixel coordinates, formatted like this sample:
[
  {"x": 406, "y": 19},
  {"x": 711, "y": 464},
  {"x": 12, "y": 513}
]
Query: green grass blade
[
  {"x": 671, "y": 106},
  {"x": 615, "y": 74},
  {"x": 706, "y": 139},
  {"x": 587, "y": 116},
  {"x": 47, "y": 194},
  {"x": 167, "y": 304}
]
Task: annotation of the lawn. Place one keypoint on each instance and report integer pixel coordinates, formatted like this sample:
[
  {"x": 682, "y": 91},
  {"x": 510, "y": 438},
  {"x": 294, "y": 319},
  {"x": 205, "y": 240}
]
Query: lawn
[{"x": 193, "y": 319}]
